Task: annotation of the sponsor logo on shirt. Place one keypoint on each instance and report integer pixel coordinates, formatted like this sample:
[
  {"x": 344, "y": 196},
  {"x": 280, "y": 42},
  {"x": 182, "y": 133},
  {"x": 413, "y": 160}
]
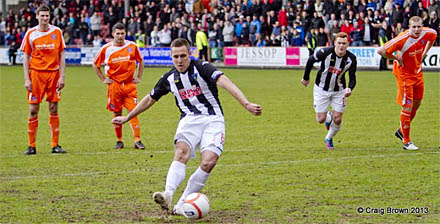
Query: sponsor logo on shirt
[
  {"x": 194, "y": 91},
  {"x": 334, "y": 70},
  {"x": 121, "y": 59},
  {"x": 45, "y": 46},
  {"x": 53, "y": 36},
  {"x": 415, "y": 52}
]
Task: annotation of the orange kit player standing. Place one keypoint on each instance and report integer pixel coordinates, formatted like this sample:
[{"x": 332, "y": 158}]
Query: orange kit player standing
[
  {"x": 120, "y": 57},
  {"x": 43, "y": 64},
  {"x": 411, "y": 46}
]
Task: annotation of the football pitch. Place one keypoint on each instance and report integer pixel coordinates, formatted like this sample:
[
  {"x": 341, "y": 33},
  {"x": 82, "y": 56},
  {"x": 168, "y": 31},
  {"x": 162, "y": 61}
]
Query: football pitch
[{"x": 274, "y": 168}]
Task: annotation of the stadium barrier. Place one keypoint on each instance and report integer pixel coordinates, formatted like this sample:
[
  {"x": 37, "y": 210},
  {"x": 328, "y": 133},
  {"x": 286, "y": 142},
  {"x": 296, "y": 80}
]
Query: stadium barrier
[
  {"x": 295, "y": 57},
  {"x": 157, "y": 56},
  {"x": 267, "y": 57}
]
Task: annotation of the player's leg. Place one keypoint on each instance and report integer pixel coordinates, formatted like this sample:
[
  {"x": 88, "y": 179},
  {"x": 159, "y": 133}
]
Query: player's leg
[
  {"x": 32, "y": 128},
  {"x": 118, "y": 132},
  {"x": 129, "y": 102},
  {"x": 337, "y": 102},
  {"x": 418, "y": 96},
  {"x": 54, "y": 125},
  {"x": 114, "y": 104},
  {"x": 198, "y": 179},
  {"x": 336, "y": 125},
  {"x": 210, "y": 149},
  {"x": 405, "y": 97},
  {"x": 187, "y": 139},
  {"x": 176, "y": 174},
  {"x": 53, "y": 97},
  {"x": 321, "y": 102},
  {"x": 34, "y": 98}
]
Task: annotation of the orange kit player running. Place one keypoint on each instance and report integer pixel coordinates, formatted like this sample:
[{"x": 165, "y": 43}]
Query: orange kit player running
[
  {"x": 120, "y": 57},
  {"x": 43, "y": 64},
  {"x": 411, "y": 46}
]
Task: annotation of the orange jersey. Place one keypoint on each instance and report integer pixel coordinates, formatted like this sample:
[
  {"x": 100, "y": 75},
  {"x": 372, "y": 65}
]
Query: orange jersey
[
  {"x": 119, "y": 61},
  {"x": 44, "y": 47},
  {"x": 410, "y": 50}
]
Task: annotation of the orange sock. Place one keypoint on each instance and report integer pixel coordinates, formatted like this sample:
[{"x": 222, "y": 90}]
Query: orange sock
[
  {"x": 413, "y": 113},
  {"x": 54, "y": 124},
  {"x": 405, "y": 123},
  {"x": 32, "y": 130},
  {"x": 135, "y": 128},
  {"x": 118, "y": 131}
]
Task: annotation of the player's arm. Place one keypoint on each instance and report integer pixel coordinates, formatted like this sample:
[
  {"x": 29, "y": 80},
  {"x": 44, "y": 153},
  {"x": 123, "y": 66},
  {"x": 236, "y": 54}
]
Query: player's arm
[
  {"x": 140, "y": 68},
  {"x": 140, "y": 71},
  {"x": 318, "y": 56},
  {"x": 142, "y": 106},
  {"x": 100, "y": 75},
  {"x": 428, "y": 46},
  {"x": 27, "y": 80},
  {"x": 61, "y": 80},
  {"x": 352, "y": 77},
  {"x": 383, "y": 52},
  {"x": 227, "y": 84},
  {"x": 306, "y": 77}
]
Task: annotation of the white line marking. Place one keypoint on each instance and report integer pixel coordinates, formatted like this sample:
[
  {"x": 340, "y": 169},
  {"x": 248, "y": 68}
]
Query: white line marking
[{"x": 219, "y": 165}]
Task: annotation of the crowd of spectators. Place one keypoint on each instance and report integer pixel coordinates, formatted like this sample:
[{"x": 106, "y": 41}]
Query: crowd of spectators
[{"x": 259, "y": 23}]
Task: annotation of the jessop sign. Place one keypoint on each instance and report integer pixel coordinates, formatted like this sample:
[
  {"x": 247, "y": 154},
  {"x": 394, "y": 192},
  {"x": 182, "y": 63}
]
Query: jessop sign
[{"x": 262, "y": 56}]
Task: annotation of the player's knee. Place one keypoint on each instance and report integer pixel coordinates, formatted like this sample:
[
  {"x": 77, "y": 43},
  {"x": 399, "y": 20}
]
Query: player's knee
[
  {"x": 53, "y": 108},
  {"x": 33, "y": 113},
  {"x": 417, "y": 104},
  {"x": 337, "y": 120},
  {"x": 181, "y": 154},
  {"x": 208, "y": 165},
  {"x": 320, "y": 119}
]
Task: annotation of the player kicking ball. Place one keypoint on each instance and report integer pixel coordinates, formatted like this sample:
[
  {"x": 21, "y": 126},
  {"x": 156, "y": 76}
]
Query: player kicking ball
[{"x": 194, "y": 86}]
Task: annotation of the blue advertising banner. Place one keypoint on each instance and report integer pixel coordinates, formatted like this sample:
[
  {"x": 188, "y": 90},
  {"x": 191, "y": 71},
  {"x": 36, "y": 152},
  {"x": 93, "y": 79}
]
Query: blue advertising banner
[
  {"x": 162, "y": 55},
  {"x": 73, "y": 55}
]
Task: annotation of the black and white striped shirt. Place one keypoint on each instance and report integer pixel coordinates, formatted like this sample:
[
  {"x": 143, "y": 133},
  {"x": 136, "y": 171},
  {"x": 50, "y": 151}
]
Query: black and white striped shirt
[
  {"x": 331, "y": 75},
  {"x": 195, "y": 90}
]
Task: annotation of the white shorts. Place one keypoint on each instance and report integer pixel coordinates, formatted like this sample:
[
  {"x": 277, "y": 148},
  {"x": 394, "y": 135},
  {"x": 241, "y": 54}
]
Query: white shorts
[
  {"x": 322, "y": 99},
  {"x": 206, "y": 131}
]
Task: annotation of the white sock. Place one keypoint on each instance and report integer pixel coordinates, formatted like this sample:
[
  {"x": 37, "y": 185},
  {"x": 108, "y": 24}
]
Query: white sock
[
  {"x": 328, "y": 118},
  {"x": 195, "y": 184},
  {"x": 334, "y": 128},
  {"x": 176, "y": 174}
]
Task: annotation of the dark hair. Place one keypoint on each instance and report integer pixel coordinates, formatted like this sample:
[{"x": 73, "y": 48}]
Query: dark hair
[
  {"x": 179, "y": 42},
  {"x": 118, "y": 26},
  {"x": 43, "y": 8}
]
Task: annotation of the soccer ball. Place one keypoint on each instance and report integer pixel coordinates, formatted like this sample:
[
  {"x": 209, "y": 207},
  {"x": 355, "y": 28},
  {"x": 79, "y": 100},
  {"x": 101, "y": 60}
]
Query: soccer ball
[{"x": 196, "y": 206}]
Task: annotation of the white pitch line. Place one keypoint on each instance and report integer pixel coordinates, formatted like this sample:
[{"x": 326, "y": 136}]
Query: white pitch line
[
  {"x": 219, "y": 165},
  {"x": 142, "y": 152}
]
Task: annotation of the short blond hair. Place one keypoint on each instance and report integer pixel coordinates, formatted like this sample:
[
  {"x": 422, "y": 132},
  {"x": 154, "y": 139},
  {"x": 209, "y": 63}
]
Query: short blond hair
[{"x": 415, "y": 19}]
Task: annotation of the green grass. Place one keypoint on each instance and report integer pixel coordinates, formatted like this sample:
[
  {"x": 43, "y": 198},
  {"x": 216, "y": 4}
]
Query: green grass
[{"x": 274, "y": 169}]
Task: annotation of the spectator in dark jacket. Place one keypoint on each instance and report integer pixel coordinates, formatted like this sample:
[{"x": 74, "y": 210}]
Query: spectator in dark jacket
[
  {"x": 12, "y": 53},
  {"x": 322, "y": 38},
  {"x": 397, "y": 14},
  {"x": 357, "y": 35}
]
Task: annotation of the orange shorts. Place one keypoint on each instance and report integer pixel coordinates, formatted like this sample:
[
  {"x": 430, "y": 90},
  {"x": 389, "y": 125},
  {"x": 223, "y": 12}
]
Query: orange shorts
[
  {"x": 121, "y": 95},
  {"x": 44, "y": 82},
  {"x": 407, "y": 92}
]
